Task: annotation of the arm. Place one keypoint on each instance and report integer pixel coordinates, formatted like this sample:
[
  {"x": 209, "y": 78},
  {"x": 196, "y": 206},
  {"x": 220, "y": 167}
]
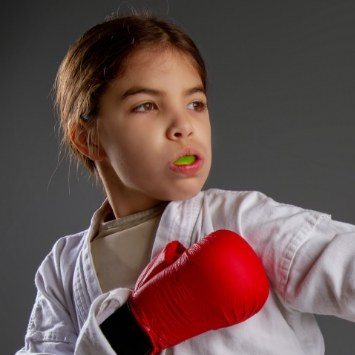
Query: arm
[
  {"x": 50, "y": 330},
  {"x": 309, "y": 258},
  {"x": 322, "y": 273},
  {"x": 53, "y": 327}
]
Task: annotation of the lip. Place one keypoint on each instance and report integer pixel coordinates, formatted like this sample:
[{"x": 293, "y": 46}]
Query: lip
[{"x": 189, "y": 169}]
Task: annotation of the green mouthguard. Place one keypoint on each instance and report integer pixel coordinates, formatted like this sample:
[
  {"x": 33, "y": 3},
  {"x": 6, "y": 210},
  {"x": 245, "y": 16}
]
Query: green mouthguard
[{"x": 185, "y": 160}]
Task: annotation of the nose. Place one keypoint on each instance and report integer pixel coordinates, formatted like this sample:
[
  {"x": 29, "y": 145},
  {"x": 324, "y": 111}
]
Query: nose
[{"x": 179, "y": 128}]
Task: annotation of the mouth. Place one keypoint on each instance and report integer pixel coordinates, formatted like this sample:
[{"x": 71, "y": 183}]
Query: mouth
[
  {"x": 188, "y": 162},
  {"x": 185, "y": 160}
]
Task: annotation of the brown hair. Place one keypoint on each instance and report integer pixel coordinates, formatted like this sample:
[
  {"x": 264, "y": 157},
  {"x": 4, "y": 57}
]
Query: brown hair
[{"x": 96, "y": 58}]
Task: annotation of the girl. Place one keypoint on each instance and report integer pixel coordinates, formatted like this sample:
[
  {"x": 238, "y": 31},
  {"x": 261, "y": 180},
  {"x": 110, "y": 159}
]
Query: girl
[{"x": 132, "y": 99}]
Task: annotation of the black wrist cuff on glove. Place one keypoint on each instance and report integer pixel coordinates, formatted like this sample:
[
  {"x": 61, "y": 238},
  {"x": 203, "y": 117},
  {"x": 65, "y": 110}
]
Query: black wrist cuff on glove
[{"x": 124, "y": 334}]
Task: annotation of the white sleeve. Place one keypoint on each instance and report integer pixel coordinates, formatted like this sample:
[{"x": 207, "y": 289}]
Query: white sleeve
[
  {"x": 321, "y": 276},
  {"x": 51, "y": 329},
  {"x": 91, "y": 340},
  {"x": 309, "y": 258}
]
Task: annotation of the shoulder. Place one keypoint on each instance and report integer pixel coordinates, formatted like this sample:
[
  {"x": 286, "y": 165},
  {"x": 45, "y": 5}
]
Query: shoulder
[
  {"x": 271, "y": 227},
  {"x": 232, "y": 203},
  {"x": 227, "y": 209},
  {"x": 67, "y": 248},
  {"x": 59, "y": 263},
  {"x": 233, "y": 196},
  {"x": 253, "y": 203}
]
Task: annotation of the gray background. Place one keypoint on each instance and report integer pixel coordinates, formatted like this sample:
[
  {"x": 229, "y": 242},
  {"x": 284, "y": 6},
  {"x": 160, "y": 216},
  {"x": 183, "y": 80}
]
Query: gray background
[{"x": 281, "y": 101}]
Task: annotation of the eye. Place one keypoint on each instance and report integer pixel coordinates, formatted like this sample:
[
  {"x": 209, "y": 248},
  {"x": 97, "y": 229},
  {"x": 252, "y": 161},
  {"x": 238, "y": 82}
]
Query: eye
[
  {"x": 198, "y": 106},
  {"x": 145, "y": 107}
]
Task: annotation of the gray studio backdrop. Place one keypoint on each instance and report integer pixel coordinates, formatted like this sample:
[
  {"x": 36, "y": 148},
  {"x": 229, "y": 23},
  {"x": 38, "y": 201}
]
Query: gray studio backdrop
[{"x": 281, "y": 97}]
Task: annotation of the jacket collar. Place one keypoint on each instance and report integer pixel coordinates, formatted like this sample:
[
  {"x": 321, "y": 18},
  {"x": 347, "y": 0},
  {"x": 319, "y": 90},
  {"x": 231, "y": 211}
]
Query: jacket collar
[{"x": 178, "y": 222}]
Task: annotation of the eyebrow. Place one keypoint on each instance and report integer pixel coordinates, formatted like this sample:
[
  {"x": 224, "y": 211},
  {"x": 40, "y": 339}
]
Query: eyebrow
[{"x": 144, "y": 90}]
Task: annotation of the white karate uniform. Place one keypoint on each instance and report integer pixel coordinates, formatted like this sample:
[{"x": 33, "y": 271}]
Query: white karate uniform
[{"x": 309, "y": 260}]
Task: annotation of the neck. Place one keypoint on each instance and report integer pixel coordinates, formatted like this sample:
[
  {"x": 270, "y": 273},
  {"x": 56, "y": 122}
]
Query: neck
[{"x": 125, "y": 201}]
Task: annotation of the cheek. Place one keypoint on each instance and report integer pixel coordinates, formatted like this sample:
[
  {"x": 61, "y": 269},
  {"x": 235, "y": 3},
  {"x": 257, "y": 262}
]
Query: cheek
[
  {"x": 133, "y": 153},
  {"x": 206, "y": 132}
]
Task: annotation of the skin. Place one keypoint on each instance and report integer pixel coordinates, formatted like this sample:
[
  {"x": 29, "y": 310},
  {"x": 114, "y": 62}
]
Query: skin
[{"x": 143, "y": 133}]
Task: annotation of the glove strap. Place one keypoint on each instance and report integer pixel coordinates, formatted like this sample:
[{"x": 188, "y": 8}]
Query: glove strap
[{"x": 124, "y": 334}]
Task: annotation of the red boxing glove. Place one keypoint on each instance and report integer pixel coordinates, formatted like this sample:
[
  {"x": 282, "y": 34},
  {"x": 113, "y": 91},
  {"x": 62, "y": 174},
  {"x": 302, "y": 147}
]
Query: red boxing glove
[{"x": 218, "y": 282}]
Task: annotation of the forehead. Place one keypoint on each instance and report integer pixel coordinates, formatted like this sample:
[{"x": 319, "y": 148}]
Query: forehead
[{"x": 149, "y": 61}]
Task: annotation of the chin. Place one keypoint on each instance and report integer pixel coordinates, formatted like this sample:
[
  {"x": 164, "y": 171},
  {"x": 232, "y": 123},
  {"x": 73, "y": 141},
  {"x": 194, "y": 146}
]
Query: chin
[
  {"x": 186, "y": 196},
  {"x": 182, "y": 193}
]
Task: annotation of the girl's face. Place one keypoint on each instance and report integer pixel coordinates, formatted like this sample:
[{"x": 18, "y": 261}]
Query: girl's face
[{"x": 151, "y": 115}]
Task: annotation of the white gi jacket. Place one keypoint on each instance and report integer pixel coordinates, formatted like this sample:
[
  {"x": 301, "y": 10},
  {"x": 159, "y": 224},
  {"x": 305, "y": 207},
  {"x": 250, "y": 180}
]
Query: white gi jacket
[{"x": 309, "y": 259}]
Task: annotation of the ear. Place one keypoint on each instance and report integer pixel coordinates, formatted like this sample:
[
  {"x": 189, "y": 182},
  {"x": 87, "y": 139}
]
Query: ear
[{"x": 86, "y": 144}]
